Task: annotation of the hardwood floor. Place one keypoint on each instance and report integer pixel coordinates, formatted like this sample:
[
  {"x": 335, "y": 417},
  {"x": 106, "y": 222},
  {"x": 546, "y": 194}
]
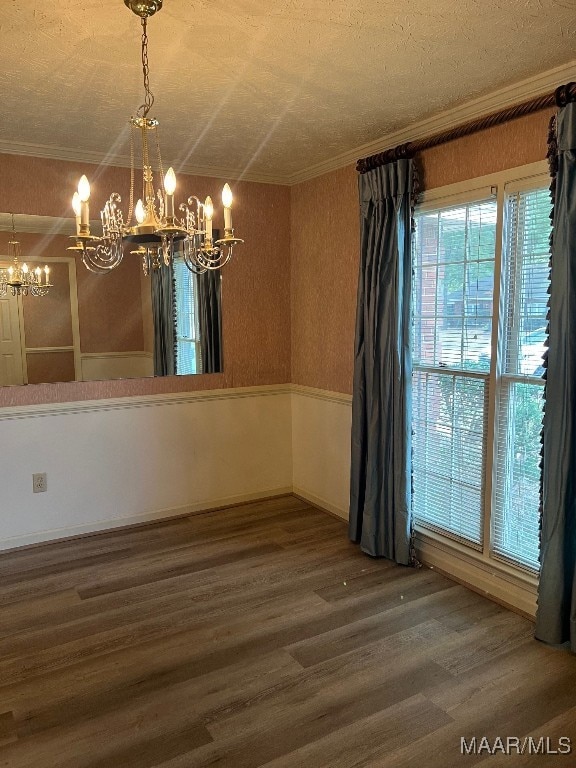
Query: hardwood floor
[{"x": 259, "y": 636}]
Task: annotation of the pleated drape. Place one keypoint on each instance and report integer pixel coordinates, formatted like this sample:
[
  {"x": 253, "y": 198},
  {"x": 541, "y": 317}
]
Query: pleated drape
[
  {"x": 210, "y": 320},
  {"x": 163, "y": 315},
  {"x": 380, "y": 492},
  {"x": 556, "y": 616}
]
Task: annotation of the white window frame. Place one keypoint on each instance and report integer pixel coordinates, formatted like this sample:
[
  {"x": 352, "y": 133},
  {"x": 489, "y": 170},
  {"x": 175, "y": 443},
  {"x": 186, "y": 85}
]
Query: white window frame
[{"x": 511, "y": 584}]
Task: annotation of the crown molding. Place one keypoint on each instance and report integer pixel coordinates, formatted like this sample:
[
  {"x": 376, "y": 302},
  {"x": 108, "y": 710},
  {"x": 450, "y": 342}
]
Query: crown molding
[
  {"x": 43, "y": 225},
  {"x": 531, "y": 87},
  {"x": 50, "y": 152},
  {"x": 538, "y": 85}
]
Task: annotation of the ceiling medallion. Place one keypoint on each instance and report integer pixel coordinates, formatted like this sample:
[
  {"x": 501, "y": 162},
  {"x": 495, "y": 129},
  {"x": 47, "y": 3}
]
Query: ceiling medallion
[
  {"x": 151, "y": 224},
  {"x": 143, "y": 8}
]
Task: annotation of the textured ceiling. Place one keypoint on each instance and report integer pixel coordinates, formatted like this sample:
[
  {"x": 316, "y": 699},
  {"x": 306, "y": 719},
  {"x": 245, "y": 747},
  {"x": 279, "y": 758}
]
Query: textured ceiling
[{"x": 257, "y": 87}]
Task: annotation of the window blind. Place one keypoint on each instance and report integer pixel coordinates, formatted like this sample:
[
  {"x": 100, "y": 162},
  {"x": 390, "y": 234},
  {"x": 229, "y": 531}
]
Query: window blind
[
  {"x": 187, "y": 337},
  {"x": 515, "y": 522},
  {"x": 454, "y": 282},
  {"x": 449, "y": 425},
  {"x": 453, "y": 287}
]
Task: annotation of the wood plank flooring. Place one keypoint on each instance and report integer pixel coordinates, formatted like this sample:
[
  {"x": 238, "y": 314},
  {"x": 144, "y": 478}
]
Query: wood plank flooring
[{"x": 259, "y": 636}]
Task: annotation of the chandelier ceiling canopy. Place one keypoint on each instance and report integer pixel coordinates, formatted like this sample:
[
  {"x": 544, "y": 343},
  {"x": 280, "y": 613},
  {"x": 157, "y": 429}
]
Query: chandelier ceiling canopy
[{"x": 151, "y": 226}]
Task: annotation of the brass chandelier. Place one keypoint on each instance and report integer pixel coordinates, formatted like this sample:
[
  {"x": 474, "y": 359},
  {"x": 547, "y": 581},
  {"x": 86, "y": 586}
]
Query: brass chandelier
[
  {"x": 151, "y": 226},
  {"x": 18, "y": 278}
]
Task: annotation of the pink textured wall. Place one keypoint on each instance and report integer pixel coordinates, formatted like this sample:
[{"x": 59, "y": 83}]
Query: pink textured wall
[
  {"x": 326, "y": 236},
  {"x": 50, "y": 366},
  {"x": 289, "y": 295},
  {"x": 509, "y": 145},
  {"x": 255, "y": 286},
  {"x": 102, "y": 299},
  {"x": 48, "y": 321},
  {"x": 110, "y": 308}
]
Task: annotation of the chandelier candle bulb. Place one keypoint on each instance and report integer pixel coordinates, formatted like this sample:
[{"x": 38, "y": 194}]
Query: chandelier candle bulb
[
  {"x": 84, "y": 195},
  {"x": 46, "y": 273},
  {"x": 139, "y": 212},
  {"x": 227, "y": 203},
  {"x": 208, "y": 214},
  {"x": 169, "y": 188},
  {"x": 76, "y": 209}
]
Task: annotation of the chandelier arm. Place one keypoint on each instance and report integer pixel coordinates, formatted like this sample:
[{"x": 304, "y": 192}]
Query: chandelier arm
[
  {"x": 192, "y": 265},
  {"x": 101, "y": 259},
  {"x": 91, "y": 265},
  {"x": 219, "y": 263},
  {"x": 199, "y": 260},
  {"x": 39, "y": 290},
  {"x": 215, "y": 258},
  {"x": 92, "y": 268}
]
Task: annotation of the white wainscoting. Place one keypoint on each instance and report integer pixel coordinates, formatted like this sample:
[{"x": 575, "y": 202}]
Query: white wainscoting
[
  {"x": 101, "y": 366},
  {"x": 321, "y": 424},
  {"x": 116, "y": 462},
  {"x": 321, "y": 427}
]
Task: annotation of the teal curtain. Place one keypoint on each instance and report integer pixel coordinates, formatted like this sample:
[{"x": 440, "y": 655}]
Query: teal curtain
[
  {"x": 210, "y": 320},
  {"x": 164, "y": 317},
  {"x": 556, "y": 616},
  {"x": 380, "y": 490}
]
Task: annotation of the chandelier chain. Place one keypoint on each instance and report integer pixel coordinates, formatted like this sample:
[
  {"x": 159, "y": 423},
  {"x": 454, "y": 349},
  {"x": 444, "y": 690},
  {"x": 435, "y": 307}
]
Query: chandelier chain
[
  {"x": 145, "y": 162},
  {"x": 131, "y": 201},
  {"x": 148, "y": 95},
  {"x": 159, "y": 156}
]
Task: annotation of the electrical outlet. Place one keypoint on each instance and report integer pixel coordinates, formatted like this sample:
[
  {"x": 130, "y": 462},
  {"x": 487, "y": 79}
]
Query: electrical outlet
[{"x": 39, "y": 482}]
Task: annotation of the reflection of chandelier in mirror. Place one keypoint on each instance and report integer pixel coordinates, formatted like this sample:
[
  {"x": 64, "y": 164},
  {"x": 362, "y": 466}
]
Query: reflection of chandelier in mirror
[
  {"x": 19, "y": 278},
  {"x": 156, "y": 232}
]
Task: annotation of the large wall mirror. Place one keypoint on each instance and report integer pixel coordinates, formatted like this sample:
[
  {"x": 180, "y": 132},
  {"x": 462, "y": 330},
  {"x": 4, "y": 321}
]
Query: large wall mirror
[{"x": 93, "y": 327}]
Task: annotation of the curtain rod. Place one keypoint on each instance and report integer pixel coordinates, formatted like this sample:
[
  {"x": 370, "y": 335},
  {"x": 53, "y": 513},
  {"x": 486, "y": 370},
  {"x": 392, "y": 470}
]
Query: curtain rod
[{"x": 561, "y": 96}]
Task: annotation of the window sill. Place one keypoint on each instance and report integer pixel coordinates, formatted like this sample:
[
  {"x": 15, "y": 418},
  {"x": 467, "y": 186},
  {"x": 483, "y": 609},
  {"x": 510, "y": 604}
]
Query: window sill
[{"x": 514, "y": 588}]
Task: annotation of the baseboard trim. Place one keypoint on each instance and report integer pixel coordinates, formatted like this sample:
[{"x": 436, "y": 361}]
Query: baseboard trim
[
  {"x": 514, "y": 592},
  {"x": 518, "y": 592},
  {"x": 59, "y": 535},
  {"x": 322, "y": 504}
]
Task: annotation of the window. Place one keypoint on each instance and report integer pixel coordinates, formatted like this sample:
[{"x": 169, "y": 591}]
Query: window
[
  {"x": 454, "y": 281},
  {"x": 515, "y": 521},
  {"x": 477, "y": 381},
  {"x": 187, "y": 332}
]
